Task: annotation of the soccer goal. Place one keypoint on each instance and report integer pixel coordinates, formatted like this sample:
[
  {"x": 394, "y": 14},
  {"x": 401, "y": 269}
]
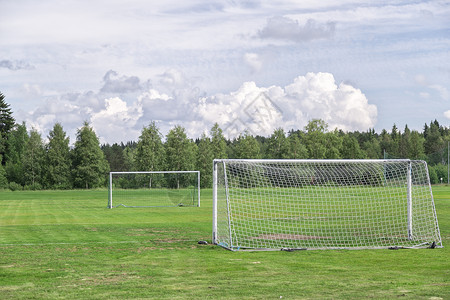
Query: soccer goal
[
  {"x": 323, "y": 204},
  {"x": 156, "y": 188}
]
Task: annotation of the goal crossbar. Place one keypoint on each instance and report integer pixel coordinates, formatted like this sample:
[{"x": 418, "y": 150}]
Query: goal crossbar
[
  {"x": 194, "y": 186},
  {"x": 275, "y": 204}
]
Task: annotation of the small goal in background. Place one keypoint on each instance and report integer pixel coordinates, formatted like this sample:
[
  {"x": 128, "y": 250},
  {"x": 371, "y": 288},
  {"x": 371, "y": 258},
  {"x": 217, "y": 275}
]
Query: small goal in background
[{"x": 154, "y": 189}]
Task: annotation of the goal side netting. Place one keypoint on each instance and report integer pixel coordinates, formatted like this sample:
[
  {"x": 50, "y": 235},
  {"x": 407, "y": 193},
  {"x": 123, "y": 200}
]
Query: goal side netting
[
  {"x": 153, "y": 189},
  {"x": 323, "y": 204}
]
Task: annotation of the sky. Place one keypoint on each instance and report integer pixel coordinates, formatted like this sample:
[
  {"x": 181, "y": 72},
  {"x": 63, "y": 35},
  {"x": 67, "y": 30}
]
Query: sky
[{"x": 251, "y": 66}]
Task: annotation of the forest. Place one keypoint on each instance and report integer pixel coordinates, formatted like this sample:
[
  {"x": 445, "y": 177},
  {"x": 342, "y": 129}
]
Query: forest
[{"x": 28, "y": 162}]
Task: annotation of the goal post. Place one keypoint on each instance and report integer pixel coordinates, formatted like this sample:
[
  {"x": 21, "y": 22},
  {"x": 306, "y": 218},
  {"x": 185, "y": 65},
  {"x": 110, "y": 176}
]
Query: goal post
[
  {"x": 289, "y": 204},
  {"x": 154, "y": 188}
]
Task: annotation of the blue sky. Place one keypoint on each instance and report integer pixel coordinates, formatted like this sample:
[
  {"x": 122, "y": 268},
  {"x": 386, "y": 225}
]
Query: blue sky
[{"x": 248, "y": 65}]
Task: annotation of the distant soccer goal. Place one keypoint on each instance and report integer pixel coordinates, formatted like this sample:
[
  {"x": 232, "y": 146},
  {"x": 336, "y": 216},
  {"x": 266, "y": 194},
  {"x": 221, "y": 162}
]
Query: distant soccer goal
[
  {"x": 323, "y": 204},
  {"x": 152, "y": 189}
]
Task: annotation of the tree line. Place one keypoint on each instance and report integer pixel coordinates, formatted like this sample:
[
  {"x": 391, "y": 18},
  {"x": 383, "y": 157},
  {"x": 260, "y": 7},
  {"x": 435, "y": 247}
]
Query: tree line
[{"x": 29, "y": 163}]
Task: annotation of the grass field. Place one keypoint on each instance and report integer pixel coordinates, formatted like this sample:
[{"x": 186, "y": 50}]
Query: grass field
[{"x": 67, "y": 244}]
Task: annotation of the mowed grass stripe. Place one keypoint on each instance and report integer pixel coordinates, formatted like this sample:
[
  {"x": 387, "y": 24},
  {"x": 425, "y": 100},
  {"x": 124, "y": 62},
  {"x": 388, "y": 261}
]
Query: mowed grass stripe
[
  {"x": 78, "y": 217},
  {"x": 161, "y": 259}
]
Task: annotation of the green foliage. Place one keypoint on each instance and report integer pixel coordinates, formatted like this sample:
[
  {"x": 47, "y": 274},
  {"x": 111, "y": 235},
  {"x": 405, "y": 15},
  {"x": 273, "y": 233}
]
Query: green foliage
[
  {"x": 246, "y": 146},
  {"x": 61, "y": 168},
  {"x": 33, "y": 161},
  {"x": 278, "y": 145},
  {"x": 181, "y": 152},
  {"x": 351, "y": 149},
  {"x": 333, "y": 145},
  {"x": 441, "y": 173},
  {"x": 90, "y": 167},
  {"x": 3, "y": 179},
  {"x": 433, "y": 175},
  {"x": 218, "y": 143},
  {"x": 315, "y": 139},
  {"x": 297, "y": 150},
  {"x": 13, "y": 186},
  {"x": 150, "y": 153},
  {"x": 6, "y": 123},
  {"x": 204, "y": 161},
  {"x": 115, "y": 155},
  {"x": 15, "y": 151},
  {"x": 416, "y": 148},
  {"x": 57, "y": 159}
]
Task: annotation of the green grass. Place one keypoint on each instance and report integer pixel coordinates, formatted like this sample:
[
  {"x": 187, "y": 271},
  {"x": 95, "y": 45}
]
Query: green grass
[
  {"x": 155, "y": 197},
  {"x": 67, "y": 244}
]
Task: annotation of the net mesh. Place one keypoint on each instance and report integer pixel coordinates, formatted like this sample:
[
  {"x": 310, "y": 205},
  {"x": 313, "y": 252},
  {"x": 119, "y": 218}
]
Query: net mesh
[
  {"x": 309, "y": 204},
  {"x": 151, "y": 189}
]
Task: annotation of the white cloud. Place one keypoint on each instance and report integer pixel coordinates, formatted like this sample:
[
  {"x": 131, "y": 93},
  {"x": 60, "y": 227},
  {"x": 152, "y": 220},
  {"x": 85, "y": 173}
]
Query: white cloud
[
  {"x": 420, "y": 79},
  {"x": 423, "y": 81},
  {"x": 284, "y": 28},
  {"x": 116, "y": 122},
  {"x": 424, "y": 95},
  {"x": 447, "y": 114},
  {"x": 260, "y": 110},
  {"x": 253, "y": 61},
  {"x": 194, "y": 48},
  {"x": 263, "y": 109},
  {"x": 442, "y": 90},
  {"x": 15, "y": 65},
  {"x": 120, "y": 84}
]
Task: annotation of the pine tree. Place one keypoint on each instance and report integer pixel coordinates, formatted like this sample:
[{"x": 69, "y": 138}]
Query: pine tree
[
  {"x": 15, "y": 151},
  {"x": 416, "y": 149},
  {"x": 6, "y": 123},
  {"x": 3, "y": 180},
  {"x": 58, "y": 161},
  {"x": 404, "y": 143},
  {"x": 90, "y": 167},
  {"x": 33, "y": 161},
  {"x": 219, "y": 144},
  {"x": 115, "y": 156},
  {"x": 204, "y": 161}
]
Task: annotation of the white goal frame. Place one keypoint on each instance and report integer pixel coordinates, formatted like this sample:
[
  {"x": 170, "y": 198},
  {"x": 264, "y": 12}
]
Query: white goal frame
[
  {"x": 111, "y": 174},
  {"x": 241, "y": 208}
]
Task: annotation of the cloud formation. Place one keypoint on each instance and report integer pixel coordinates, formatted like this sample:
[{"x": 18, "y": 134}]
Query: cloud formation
[
  {"x": 198, "y": 52},
  {"x": 284, "y": 28},
  {"x": 447, "y": 114},
  {"x": 15, "y": 65},
  {"x": 120, "y": 84},
  {"x": 258, "y": 110}
]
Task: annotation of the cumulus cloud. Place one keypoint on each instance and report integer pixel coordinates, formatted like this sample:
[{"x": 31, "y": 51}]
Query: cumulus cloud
[
  {"x": 15, "y": 65},
  {"x": 113, "y": 83},
  {"x": 258, "y": 110},
  {"x": 284, "y": 28},
  {"x": 117, "y": 121}
]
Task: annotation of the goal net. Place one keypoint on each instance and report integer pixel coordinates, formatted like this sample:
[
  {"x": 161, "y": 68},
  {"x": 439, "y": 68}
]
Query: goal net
[
  {"x": 323, "y": 204},
  {"x": 150, "y": 189}
]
